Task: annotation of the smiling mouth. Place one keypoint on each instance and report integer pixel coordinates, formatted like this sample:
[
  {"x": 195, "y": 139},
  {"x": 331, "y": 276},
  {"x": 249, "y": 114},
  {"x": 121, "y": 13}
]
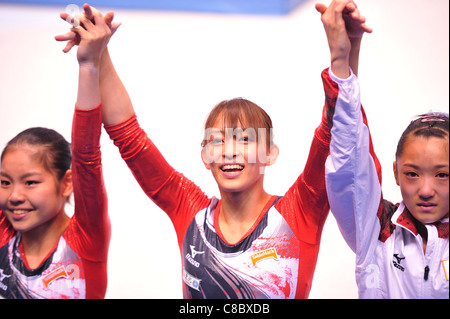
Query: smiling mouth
[
  {"x": 19, "y": 211},
  {"x": 230, "y": 168}
]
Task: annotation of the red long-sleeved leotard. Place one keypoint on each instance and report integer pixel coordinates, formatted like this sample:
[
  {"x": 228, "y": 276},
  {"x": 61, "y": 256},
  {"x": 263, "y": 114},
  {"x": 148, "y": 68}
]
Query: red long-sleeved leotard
[
  {"x": 76, "y": 268},
  {"x": 275, "y": 259}
]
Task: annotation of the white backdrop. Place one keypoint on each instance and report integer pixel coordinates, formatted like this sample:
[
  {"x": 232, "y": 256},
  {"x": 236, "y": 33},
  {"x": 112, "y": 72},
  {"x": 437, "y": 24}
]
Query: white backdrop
[{"x": 177, "y": 66}]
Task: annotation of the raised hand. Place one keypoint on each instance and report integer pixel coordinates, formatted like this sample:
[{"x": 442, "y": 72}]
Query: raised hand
[
  {"x": 72, "y": 37},
  {"x": 91, "y": 31},
  {"x": 344, "y": 26}
]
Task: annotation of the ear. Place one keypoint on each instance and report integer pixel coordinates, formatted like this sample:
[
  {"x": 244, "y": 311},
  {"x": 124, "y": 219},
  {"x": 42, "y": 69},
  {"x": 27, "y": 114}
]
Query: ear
[
  {"x": 273, "y": 155},
  {"x": 66, "y": 184},
  {"x": 394, "y": 166},
  {"x": 205, "y": 160}
]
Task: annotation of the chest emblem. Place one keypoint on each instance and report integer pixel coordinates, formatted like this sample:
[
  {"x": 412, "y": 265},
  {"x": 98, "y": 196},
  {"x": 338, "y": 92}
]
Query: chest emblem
[
  {"x": 55, "y": 274},
  {"x": 268, "y": 253},
  {"x": 397, "y": 261},
  {"x": 190, "y": 256}
]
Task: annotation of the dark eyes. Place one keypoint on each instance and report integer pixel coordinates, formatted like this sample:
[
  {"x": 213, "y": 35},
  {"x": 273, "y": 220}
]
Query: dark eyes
[
  {"x": 31, "y": 183},
  {"x": 442, "y": 175},
  {"x": 216, "y": 141},
  {"x": 244, "y": 139},
  {"x": 415, "y": 175},
  {"x": 5, "y": 183}
]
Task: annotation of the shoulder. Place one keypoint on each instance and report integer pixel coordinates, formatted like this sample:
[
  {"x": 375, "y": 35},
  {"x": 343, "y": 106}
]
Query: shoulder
[
  {"x": 385, "y": 212},
  {"x": 6, "y": 230}
]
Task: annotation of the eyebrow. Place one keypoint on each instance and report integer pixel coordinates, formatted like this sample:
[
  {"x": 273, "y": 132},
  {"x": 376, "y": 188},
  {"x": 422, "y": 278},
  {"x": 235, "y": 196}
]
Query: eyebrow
[
  {"x": 215, "y": 131},
  {"x": 26, "y": 175},
  {"x": 5, "y": 175},
  {"x": 30, "y": 174},
  {"x": 418, "y": 167}
]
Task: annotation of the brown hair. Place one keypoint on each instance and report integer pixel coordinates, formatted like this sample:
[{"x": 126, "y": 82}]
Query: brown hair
[{"x": 240, "y": 112}]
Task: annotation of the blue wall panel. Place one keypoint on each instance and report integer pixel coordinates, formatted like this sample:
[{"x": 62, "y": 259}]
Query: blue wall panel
[{"x": 277, "y": 7}]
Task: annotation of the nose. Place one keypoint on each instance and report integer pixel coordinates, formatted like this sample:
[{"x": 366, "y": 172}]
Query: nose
[
  {"x": 16, "y": 197},
  {"x": 426, "y": 190},
  {"x": 229, "y": 149}
]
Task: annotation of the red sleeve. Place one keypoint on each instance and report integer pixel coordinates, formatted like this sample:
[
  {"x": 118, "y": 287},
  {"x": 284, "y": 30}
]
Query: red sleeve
[
  {"x": 179, "y": 197},
  {"x": 6, "y": 230},
  {"x": 305, "y": 205},
  {"x": 89, "y": 230}
]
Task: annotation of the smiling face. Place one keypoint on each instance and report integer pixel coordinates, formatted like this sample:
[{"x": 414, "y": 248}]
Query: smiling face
[
  {"x": 238, "y": 145},
  {"x": 422, "y": 172},
  {"x": 30, "y": 195},
  {"x": 237, "y": 158}
]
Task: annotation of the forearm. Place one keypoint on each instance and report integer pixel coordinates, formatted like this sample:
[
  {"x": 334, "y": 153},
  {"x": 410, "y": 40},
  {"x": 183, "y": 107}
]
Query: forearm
[
  {"x": 88, "y": 88},
  {"x": 341, "y": 65},
  {"x": 353, "y": 175},
  {"x": 145, "y": 161},
  {"x": 91, "y": 209},
  {"x": 117, "y": 106},
  {"x": 354, "y": 54},
  {"x": 170, "y": 190}
]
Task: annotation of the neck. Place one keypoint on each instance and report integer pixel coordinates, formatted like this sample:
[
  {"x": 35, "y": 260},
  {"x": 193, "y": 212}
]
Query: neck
[
  {"x": 243, "y": 205},
  {"x": 239, "y": 211},
  {"x": 38, "y": 242}
]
